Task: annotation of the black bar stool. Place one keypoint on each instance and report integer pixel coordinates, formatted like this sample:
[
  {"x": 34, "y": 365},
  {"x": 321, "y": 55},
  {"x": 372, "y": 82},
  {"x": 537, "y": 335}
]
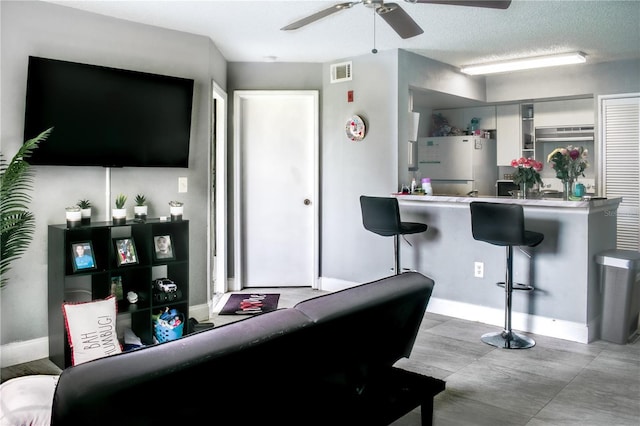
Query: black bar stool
[
  {"x": 381, "y": 215},
  {"x": 503, "y": 225}
]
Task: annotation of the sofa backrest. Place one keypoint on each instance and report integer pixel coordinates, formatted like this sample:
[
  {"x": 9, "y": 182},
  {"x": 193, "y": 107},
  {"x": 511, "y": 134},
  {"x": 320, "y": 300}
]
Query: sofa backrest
[
  {"x": 366, "y": 328},
  {"x": 176, "y": 381},
  {"x": 273, "y": 361}
]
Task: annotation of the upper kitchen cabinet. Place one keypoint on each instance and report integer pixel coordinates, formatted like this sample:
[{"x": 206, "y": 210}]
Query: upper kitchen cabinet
[
  {"x": 575, "y": 112},
  {"x": 486, "y": 115},
  {"x": 461, "y": 117},
  {"x": 507, "y": 133}
]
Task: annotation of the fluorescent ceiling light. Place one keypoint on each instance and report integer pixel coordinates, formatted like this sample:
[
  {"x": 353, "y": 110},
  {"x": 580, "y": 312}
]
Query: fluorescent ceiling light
[{"x": 526, "y": 63}]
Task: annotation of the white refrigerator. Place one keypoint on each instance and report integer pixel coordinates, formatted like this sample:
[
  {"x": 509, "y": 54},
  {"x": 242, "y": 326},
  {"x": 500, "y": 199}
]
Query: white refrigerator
[{"x": 458, "y": 165}]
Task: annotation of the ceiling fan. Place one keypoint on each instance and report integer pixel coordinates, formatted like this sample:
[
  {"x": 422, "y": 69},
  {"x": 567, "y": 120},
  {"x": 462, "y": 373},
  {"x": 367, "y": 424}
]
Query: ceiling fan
[{"x": 394, "y": 15}]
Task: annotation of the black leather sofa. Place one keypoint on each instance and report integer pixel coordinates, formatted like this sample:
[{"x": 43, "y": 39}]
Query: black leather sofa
[{"x": 326, "y": 361}]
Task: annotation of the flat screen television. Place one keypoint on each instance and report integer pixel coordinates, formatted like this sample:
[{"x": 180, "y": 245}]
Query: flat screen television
[{"x": 107, "y": 117}]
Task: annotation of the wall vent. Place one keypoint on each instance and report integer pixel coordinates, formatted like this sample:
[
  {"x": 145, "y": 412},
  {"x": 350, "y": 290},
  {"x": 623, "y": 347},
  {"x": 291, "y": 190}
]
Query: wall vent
[{"x": 341, "y": 72}]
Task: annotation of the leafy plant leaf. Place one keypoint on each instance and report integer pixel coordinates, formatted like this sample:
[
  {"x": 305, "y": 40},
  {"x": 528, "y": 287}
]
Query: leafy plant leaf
[{"x": 17, "y": 223}]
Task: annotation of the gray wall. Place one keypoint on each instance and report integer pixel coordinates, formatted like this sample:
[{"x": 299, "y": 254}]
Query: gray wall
[
  {"x": 350, "y": 169},
  {"x": 44, "y": 29}
]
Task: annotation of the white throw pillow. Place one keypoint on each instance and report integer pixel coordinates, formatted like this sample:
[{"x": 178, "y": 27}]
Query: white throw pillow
[
  {"x": 27, "y": 400},
  {"x": 91, "y": 329}
]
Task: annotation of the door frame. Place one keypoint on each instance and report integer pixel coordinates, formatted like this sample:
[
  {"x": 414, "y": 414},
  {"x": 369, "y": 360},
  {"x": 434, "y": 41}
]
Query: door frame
[
  {"x": 217, "y": 275},
  {"x": 238, "y": 97}
]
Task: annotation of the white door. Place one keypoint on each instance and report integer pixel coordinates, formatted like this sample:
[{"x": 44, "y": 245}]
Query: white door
[{"x": 276, "y": 190}]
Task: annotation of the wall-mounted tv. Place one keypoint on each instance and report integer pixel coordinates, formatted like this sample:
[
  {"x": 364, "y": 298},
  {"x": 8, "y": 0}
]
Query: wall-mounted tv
[{"x": 106, "y": 116}]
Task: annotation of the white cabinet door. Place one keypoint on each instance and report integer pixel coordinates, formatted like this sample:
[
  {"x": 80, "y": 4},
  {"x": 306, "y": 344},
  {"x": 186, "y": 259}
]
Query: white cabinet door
[
  {"x": 575, "y": 112},
  {"x": 486, "y": 114},
  {"x": 508, "y": 133}
]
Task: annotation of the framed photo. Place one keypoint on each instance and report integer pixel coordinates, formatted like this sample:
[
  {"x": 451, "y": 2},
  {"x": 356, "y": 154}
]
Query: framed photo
[
  {"x": 126, "y": 253},
  {"x": 163, "y": 247},
  {"x": 82, "y": 256}
]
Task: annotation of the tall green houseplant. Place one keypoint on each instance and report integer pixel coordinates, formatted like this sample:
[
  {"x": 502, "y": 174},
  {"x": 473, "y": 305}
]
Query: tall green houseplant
[{"x": 17, "y": 223}]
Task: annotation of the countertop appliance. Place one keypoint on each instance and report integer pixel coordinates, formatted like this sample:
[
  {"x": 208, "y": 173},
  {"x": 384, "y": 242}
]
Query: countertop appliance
[
  {"x": 458, "y": 165},
  {"x": 504, "y": 187}
]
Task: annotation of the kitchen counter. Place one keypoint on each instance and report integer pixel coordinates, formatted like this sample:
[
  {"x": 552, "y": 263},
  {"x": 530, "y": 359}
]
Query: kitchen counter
[
  {"x": 567, "y": 299},
  {"x": 539, "y": 202}
]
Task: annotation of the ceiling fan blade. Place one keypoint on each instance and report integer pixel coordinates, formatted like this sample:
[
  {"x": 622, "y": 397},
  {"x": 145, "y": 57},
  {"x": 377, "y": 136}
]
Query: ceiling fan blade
[
  {"x": 492, "y": 4},
  {"x": 318, "y": 15},
  {"x": 399, "y": 20}
]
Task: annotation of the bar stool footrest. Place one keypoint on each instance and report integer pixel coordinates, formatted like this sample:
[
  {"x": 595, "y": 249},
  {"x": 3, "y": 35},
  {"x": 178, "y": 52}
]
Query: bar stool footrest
[{"x": 517, "y": 286}]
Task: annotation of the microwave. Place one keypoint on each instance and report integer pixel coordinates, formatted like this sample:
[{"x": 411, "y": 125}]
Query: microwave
[{"x": 504, "y": 186}]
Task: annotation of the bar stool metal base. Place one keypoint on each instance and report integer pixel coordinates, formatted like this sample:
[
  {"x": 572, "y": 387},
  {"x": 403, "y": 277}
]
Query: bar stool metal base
[{"x": 508, "y": 340}]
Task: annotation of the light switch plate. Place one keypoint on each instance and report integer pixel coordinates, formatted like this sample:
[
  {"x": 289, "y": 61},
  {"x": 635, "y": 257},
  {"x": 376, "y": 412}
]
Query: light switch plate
[{"x": 182, "y": 184}]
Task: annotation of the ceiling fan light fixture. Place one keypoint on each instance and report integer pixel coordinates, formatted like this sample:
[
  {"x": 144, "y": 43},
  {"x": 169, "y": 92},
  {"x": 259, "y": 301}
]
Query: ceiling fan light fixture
[
  {"x": 373, "y": 3},
  {"x": 386, "y": 8},
  {"x": 526, "y": 63}
]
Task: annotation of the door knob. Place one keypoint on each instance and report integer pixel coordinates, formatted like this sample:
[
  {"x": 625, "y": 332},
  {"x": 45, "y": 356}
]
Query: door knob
[{"x": 307, "y": 201}]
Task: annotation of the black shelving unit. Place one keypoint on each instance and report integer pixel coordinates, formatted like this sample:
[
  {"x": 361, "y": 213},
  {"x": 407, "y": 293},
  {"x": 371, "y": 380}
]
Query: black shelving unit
[{"x": 65, "y": 285}]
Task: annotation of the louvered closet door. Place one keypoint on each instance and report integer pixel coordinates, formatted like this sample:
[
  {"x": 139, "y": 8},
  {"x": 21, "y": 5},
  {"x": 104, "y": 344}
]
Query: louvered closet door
[{"x": 621, "y": 159}]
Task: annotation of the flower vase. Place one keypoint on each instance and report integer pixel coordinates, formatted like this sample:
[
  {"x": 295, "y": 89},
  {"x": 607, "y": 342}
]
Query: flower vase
[
  {"x": 568, "y": 188},
  {"x": 525, "y": 189}
]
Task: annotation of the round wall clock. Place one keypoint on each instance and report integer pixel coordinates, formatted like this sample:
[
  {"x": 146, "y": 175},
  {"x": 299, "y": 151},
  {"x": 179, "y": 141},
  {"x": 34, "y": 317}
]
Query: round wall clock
[{"x": 355, "y": 128}]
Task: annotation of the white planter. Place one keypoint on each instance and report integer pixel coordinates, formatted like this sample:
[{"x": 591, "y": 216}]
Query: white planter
[
  {"x": 74, "y": 217},
  {"x": 119, "y": 216},
  {"x": 176, "y": 212},
  {"x": 140, "y": 212},
  {"x": 85, "y": 214}
]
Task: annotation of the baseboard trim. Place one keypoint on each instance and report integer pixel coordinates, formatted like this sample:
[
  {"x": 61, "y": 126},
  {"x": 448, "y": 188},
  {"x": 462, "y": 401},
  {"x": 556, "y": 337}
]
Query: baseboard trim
[
  {"x": 559, "y": 329},
  {"x": 30, "y": 350},
  {"x": 333, "y": 284},
  {"x": 24, "y": 351}
]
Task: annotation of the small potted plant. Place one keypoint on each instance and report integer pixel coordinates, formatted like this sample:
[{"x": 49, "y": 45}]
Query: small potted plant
[
  {"x": 119, "y": 213},
  {"x": 140, "y": 209},
  {"x": 85, "y": 211},
  {"x": 176, "y": 209},
  {"x": 74, "y": 216}
]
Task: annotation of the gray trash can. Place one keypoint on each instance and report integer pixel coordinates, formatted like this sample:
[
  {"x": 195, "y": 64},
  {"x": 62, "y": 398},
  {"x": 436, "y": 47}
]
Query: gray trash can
[{"x": 620, "y": 288}]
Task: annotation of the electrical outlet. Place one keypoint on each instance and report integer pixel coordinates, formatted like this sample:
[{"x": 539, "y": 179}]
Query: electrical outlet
[
  {"x": 478, "y": 269},
  {"x": 182, "y": 184}
]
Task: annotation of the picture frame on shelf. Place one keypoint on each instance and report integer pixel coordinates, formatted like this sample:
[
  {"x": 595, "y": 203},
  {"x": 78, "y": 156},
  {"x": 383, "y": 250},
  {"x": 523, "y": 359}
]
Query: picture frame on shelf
[
  {"x": 126, "y": 253},
  {"x": 163, "y": 247},
  {"x": 82, "y": 257}
]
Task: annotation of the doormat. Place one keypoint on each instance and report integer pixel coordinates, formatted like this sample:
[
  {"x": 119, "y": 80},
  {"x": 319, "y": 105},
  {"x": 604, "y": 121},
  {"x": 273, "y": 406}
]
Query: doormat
[{"x": 250, "y": 304}]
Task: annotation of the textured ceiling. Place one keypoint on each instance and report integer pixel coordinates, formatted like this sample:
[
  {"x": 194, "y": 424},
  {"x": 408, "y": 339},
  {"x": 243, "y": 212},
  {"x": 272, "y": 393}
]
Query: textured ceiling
[{"x": 249, "y": 31}]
